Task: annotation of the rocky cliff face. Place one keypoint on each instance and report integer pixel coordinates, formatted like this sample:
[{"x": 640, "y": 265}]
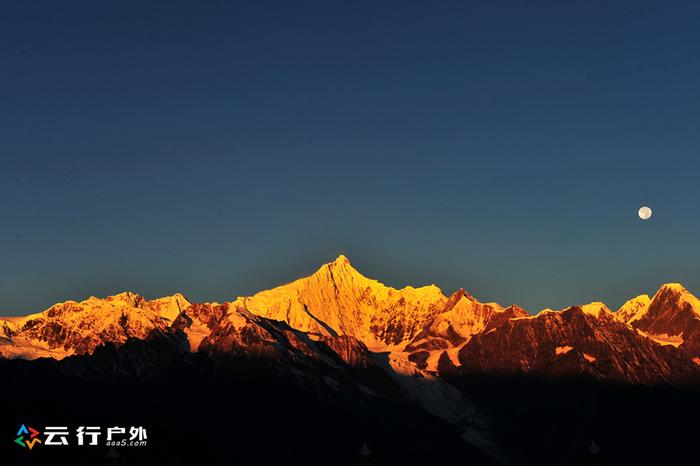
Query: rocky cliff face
[
  {"x": 223, "y": 329},
  {"x": 574, "y": 342},
  {"x": 79, "y": 327},
  {"x": 670, "y": 317},
  {"x": 669, "y": 312}
]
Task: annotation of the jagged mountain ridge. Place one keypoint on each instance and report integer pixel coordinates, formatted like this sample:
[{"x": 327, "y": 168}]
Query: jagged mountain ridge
[
  {"x": 574, "y": 342},
  {"x": 671, "y": 316},
  {"x": 337, "y": 299},
  {"x": 419, "y": 327},
  {"x": 79, "y": 327}
]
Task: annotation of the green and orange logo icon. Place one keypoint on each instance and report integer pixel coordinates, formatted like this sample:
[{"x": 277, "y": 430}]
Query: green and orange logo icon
[{"x": 30, "y": 432}]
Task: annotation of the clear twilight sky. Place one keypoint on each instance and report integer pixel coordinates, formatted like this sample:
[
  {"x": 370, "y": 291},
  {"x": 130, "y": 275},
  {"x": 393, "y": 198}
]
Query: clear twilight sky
[{"x": 221, "y": 148}]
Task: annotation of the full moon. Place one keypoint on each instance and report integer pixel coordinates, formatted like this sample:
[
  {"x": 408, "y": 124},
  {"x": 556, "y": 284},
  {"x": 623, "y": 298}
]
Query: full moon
[{"x": 645, "y": 213}]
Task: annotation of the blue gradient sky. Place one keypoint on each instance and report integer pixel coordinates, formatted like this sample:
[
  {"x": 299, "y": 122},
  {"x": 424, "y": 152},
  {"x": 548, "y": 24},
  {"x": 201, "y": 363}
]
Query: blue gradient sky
[{"x": 224, "y": 148}]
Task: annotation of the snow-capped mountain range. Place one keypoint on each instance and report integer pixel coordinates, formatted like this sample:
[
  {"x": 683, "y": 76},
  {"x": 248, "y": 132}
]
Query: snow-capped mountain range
[
  {"x": 422, "y": 376},
  {"x": 648, "y": 340}
]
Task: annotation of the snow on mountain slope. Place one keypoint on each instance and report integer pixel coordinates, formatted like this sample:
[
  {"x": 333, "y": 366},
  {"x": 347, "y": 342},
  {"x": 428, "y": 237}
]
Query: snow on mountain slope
[
  {"x": 338, "y": 300},
  {"x": 670, "y": 311},
  {"x": 598, "y": 310},
  {"x": 670, "y": 317},
  {"x": 78, "y": 327},
  {"x": 631, "y": 308},
  {"x": 574, "y": 342},
  {"x": 462, "y": 317}
]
